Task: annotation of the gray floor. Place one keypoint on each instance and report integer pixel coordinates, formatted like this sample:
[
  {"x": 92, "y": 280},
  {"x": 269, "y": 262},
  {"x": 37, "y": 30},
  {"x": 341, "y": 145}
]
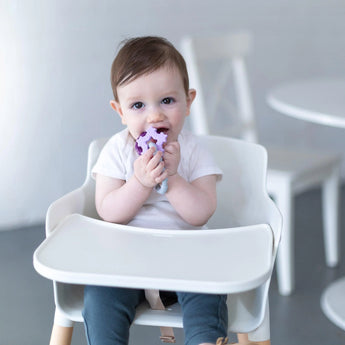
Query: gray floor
[{"x": 27, "y": 307}]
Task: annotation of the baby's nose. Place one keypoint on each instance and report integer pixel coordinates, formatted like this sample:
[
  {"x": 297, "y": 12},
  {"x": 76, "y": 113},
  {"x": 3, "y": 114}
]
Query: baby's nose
[{"x": 155, "y": 116}]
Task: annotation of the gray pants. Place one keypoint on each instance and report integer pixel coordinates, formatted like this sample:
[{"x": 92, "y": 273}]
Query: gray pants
[{"x": 109, "y": 312}]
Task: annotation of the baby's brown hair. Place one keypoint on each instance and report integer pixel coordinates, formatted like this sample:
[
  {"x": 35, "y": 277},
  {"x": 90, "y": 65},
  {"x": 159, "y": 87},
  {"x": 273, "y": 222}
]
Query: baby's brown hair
[{"x": 141, "y": 55}]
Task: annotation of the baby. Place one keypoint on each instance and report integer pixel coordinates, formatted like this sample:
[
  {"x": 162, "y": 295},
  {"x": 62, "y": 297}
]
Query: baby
[{"x": 151, "y": 89}]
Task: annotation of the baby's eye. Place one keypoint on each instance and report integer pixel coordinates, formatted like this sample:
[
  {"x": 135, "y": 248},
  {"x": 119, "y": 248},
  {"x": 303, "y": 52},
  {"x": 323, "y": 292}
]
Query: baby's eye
[
  {"x": 168, "y": 100},
  {"x": 138, "y": 105}
]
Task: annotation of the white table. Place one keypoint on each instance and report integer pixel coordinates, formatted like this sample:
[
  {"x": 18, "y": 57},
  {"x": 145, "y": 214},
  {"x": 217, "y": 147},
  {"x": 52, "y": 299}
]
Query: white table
[
  {"x": 322, "y": 102},
  {"x": 318, "y": 101},
  {"x": 333, "y": 302},
  {"x": 77, "y": 252}
]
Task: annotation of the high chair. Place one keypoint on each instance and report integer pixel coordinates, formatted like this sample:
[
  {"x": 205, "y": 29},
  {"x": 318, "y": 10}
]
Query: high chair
[
  {"x": 243, "y": 235},
  {"x": 217, "y": 70}
]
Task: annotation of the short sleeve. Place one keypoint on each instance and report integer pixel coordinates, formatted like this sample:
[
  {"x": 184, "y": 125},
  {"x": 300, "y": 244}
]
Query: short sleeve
[
  {"x": 198, "y": 161},
  {"x": 113, "y": 159}
]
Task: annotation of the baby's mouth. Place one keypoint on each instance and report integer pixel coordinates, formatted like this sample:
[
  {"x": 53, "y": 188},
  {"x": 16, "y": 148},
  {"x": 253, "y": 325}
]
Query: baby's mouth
[{"x": 162, "y": 130}]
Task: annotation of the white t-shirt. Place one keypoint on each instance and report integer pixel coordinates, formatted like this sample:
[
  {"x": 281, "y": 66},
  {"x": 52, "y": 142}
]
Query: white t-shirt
[{"x": 116, "y": 161}]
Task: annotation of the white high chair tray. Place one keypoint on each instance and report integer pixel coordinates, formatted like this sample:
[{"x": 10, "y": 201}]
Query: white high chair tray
[{"x": 84, "y": 250}]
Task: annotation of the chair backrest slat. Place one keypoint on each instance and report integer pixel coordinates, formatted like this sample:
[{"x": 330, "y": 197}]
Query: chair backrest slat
[{"x": 209, "y": 109}]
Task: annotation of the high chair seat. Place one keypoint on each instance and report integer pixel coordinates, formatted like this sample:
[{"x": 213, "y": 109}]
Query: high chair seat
[{"x": 241, "y": 245}]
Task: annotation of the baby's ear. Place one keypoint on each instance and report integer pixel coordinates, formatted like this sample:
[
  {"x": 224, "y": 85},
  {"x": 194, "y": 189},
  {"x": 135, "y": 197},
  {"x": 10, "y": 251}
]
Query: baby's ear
[
  {"x": 190, "y": 99},
  {"x": 116, "y": 106}
]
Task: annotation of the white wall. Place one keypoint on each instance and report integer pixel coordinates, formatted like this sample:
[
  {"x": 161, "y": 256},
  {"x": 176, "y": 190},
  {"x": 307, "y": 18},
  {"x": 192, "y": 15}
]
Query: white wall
[{"x": 55, "y": 58}]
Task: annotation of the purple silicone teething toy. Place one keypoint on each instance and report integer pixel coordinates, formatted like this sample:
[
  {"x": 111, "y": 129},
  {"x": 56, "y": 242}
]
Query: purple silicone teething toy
[
  {"x": 148, "y": 139},
  {"x": 142, "y": 143}
]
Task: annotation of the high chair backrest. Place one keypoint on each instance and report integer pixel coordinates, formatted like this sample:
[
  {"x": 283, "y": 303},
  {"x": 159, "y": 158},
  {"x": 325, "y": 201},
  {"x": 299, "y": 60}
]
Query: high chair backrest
[
  {"x": 241, "y": 194},
  {"x": 218, "y": 61}
]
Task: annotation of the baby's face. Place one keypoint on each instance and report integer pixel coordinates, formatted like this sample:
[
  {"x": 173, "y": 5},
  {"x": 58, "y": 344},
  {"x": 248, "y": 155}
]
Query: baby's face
[{"x": 156, "y": 99}]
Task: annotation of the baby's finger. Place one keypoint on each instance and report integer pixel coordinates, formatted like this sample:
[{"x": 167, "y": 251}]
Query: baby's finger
[
  {"x": 162, "y": 177},
  {"x": 154, "y": 161},
  {"x": 157, "y": 171},
  {"x": 146, "y": 157}
]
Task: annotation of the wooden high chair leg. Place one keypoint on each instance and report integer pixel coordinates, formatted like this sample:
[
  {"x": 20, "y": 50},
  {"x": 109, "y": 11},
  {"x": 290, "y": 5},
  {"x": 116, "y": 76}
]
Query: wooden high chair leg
[
  {"x": 61, "y": 335},
  {"x": 243, "y": 340}
]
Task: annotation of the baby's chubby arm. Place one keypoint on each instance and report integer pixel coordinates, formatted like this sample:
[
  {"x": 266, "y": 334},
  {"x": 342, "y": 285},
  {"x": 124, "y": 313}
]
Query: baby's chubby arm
[
  {"x": 195, "y": 202},
  {"x": 118, "y": 201}
]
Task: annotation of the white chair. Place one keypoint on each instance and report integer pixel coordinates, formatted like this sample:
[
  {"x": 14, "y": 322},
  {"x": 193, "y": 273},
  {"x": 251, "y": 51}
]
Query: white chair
[
  {"x": 244, "y": 212},
  {"x": 217, "y": 71}
]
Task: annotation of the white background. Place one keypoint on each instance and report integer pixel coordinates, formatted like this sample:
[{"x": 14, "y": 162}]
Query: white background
[{"x": 55, "y": 58}]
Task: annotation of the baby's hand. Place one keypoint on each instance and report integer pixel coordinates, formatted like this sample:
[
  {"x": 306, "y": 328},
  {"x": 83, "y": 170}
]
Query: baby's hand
[
  {"x": 149, "y": 169},
  {"x": 172, "y": 157}
]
